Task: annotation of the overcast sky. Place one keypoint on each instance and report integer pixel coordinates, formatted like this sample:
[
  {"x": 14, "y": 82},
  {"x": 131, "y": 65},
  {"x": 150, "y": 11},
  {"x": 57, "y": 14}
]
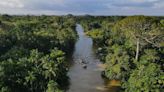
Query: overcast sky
[{"x": 78, "y": 7}]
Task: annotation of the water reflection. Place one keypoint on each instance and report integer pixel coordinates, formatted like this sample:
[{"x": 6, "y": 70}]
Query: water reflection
[{"x": 89, "y": 79}]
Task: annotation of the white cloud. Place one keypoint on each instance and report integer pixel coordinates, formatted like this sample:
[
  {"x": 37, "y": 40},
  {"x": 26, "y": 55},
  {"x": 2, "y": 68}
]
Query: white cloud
[
  {"x": 159, "y": 5},
  {"x": 142, "y": 1},
  {"x": 58, "y": 1},
  {"x": 101, "y": 7},
  {"x": 11, "y": 4}
]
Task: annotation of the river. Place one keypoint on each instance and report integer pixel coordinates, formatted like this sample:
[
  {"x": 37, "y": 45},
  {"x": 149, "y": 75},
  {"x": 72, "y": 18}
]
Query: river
[{"x": 86, "y": 79}]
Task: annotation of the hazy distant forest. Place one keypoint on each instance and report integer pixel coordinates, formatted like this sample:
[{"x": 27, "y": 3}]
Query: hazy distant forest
[{"x": 34, "y": 50}]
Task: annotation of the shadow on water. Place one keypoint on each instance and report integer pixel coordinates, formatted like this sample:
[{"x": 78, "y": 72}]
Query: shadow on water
[{"x": 86, "y": 79}]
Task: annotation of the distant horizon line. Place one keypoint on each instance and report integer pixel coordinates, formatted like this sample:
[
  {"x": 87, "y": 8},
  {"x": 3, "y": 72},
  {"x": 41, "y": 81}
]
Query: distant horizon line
[{"x": 78, "y": 15}]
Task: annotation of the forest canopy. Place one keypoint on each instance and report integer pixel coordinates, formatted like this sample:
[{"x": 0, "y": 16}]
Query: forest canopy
[
  {"x": 34, "y": 49},
  {"x": 33, "y": 52},
  {"x": 132, "y": 50}
]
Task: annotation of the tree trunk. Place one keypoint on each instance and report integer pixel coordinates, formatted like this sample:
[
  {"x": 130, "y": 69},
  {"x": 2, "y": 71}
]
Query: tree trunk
[{"x": 137, "y": 49}]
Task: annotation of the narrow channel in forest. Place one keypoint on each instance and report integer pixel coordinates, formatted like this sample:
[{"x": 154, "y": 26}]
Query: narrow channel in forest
[{"x": 85, "y": 71}]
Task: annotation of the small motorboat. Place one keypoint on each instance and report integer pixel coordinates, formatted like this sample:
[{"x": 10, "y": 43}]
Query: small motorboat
[
  {"x": 81, "y": 61},
  {"x": 84, "y": 66}
]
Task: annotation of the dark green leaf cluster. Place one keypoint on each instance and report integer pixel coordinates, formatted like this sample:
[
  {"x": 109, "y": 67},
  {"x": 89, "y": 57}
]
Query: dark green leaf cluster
[{"x": 33, "y": 52}]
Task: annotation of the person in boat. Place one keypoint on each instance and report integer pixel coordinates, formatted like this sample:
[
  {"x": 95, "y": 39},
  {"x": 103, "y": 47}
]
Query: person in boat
[
  {"x": 84, "y": 64},
  {"x": 82, "y": 61}
]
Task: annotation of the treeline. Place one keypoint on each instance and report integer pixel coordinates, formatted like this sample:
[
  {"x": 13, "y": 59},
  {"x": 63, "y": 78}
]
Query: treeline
[
  {"x": 33, "y": 52},
  {"x": 132, "y": 49}
]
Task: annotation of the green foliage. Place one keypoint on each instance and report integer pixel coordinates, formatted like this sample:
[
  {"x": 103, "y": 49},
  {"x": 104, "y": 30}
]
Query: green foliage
[
  {"x": 147, "y": 78},
  {"x": 33, "y": 49},
  {"x": 52, "y": 87},
  {"x": 35, "y": 70},
  {"x": 97, "y": 35},
  {"x": 15, "y": 53},
  {"x": 33, "y": 52},
  {"x": 118, "y": 65},
  {"x": 133, "y": 48},
  {"x": 5, "y": 89},
  {"x": 162, "y": 22}
]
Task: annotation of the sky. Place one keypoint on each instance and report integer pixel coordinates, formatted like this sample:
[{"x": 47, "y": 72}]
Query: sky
[{"x": 82, "y": 7}]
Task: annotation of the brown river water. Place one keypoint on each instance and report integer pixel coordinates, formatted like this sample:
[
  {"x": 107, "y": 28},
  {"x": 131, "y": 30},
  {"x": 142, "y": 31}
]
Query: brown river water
[{"x": 87, "y": 79}]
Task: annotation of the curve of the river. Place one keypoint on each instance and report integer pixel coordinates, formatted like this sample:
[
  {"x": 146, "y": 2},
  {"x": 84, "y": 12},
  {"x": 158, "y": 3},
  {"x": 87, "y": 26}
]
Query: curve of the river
[{"x": 86, "y": 79}]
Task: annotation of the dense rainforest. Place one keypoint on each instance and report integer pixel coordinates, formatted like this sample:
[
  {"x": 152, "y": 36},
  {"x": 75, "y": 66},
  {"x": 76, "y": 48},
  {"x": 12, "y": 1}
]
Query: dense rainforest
[
  {"x": 34, "y": 49},
  {"x": 131, "y": 48},
  {"x": 33, "y": 52}
]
